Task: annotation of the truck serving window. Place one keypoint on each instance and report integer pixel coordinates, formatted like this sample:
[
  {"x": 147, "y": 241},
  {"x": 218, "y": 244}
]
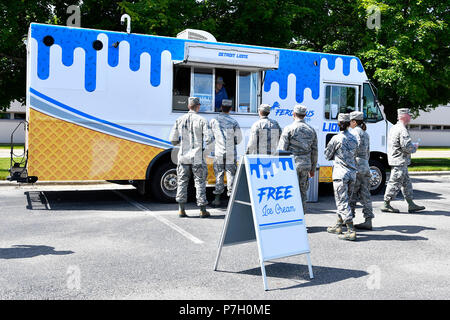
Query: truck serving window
[
  {"x": 248, "y": 92},
  {"x": 181, "y": 87},
  {"x": 212, "y": 85},
  {"x": 202, "y": 87},
  {"x": 339, "y": 98},
  {"x": 372, "y": 112}
]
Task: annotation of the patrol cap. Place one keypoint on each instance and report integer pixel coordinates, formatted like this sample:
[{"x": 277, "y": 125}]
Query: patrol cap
[
  {"x": 219, "y": 80},
  {"x": 356, "y": 115},
  {"x": 403, "y": 111},
  {"x": 227, "y": 102},
  {"x": 343, "y": 117},
  {"x": 264, "y": 107},
  {"x": 193, "y": 101},
  {"x": 300, "y": 109}
]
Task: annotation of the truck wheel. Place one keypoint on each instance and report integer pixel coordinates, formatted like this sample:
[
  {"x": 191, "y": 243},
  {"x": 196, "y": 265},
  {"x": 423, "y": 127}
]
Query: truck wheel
[
  {"x": 163, "y": 182},
  {"x": 378, "y": 176}
]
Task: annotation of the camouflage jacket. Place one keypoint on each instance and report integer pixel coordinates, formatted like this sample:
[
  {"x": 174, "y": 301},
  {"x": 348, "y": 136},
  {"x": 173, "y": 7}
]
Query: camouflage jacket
[
  {"x": 342, "y": 149},
  {"x": 191, "y": 132},
  {"x": 227, "y": 134},
  {"x": 400, "y": 145},
  {"x": 301, "y": 140},
  {"x": 264, "y": 136},
  {"x": 363, "y": 151}
]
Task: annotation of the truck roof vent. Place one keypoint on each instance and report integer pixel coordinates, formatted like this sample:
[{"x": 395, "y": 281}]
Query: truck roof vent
[{"x": 193, "y": 34}]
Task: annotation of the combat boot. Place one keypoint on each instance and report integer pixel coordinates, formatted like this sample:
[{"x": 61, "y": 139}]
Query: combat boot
[
  {"x": 412, "y": 207},
  {"x": 216, "y": 201},
  {"x": 182, "y": 211},
  {"x": 387, "y": 207},
  {"x": 366, "y": 225},
  {"x": 337, "y": 228},
  {"x": 203, "y": 212},
  {"x": 350, "y": 234}
]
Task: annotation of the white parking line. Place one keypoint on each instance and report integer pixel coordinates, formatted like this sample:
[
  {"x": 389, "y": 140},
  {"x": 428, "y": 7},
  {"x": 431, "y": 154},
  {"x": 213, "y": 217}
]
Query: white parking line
[{"x": 160, "y": 218}]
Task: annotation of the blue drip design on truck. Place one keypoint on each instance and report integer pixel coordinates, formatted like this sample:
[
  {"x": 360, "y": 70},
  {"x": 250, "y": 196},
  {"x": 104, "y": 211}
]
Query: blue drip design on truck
[{"x": 304, "y": 65}]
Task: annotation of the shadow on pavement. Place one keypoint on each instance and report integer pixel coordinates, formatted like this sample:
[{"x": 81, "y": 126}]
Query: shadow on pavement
[
  {"x": 322, "y": 275},
  {"x": 370, "y": 236},
  {"x": 364, "y": 235},
  {"x": 404, "y": 229},
  {"x": 431, "y": 213},
  {"x": 316, "y": 229},
  {"x": 422, "y": 180},
  {"x": 29, "y": 251},
  {"x": 196, "y": 216},
  {"x": 421, "y": 195},
  {"x": 106, "y": 200}
]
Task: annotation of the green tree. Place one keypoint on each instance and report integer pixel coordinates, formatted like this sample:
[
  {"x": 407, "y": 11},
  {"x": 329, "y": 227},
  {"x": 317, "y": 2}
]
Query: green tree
[
  {"x": 407, "y": 57},
  {"x": 15, "y": 19}
]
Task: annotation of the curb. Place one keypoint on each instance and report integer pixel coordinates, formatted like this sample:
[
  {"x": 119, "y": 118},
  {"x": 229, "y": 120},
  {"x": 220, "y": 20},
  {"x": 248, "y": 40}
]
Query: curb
[
  {"x": 429, "y": 173},
  {"x": 5, "y": 183}
]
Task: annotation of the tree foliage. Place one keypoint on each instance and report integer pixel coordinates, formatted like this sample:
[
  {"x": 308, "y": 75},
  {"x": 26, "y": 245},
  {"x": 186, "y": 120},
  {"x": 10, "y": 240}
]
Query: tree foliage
[{"x": 407, "y": 57}]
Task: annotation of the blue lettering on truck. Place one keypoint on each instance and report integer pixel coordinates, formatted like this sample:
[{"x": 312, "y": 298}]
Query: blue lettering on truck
[
  {"x": 279, "y": 111},
  {"x": 232, "y": 55},
  {"x": 330, "y": 127}
]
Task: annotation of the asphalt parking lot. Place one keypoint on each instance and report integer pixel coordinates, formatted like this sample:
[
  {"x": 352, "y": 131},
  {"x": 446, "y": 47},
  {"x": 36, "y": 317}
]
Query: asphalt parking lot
[{"x": 108, "y": 242}]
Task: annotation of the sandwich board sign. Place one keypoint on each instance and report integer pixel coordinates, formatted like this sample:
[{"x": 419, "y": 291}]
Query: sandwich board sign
[{"x": 266, "y": 206}]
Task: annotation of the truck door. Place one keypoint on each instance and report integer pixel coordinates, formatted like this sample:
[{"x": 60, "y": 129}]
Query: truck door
[
  {"x": 338, "y": 98},
  {"x": 377, "y": 130},
  {"x": 376, "y": 126}
]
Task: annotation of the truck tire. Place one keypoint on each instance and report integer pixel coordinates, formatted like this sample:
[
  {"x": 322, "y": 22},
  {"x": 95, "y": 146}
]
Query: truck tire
[
  {"x": 378, "y": 176},
  {"x": 163, "y": 182}
]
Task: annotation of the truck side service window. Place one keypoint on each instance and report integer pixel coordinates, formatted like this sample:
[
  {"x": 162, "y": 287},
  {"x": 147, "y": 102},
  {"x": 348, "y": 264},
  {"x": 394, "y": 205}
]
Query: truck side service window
[
  {"x": 370, "y": 108},
  {"x": 202, "y": 87},
  {"x": 241, "y": 87},
  {"x": 226, "y": 89},
  {"x": 339, "y": 99},
  {"x": 248, "y": 92},
  {"x": 181, "y": 87}
]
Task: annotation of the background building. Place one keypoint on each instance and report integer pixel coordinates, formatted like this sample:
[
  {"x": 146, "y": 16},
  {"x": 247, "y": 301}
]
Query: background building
[
  {"x": 433, "y": 128},
  {"x": 9, "y": 121}
]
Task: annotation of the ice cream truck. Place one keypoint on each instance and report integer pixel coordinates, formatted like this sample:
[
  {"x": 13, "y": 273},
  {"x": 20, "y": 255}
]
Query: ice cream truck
[{"x": 101, "y": 104}]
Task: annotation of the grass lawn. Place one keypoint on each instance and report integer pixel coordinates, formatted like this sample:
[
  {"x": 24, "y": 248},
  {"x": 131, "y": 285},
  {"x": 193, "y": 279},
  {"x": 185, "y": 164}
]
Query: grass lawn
[
  {"x": 434, "y": 148},
  {"x": 4, "y": 166},
  {"x": 430, "y": 164},
  {"x": 7, "y": 146}
]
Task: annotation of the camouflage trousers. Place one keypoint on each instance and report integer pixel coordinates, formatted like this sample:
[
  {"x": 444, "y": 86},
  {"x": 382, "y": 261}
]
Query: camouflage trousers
[
  {"x": 303, "y": 181},
  {"x": 199, "y": 171},
  {"x": 361, "y": 192},
  {"x": 220, "y": 169},
  {"x": 399, "y": 180},
  {"x": 343, "y": 189}
]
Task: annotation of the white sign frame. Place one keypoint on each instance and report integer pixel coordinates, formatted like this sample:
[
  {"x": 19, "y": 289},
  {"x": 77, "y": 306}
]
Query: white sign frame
[{"x": 245, "y": 210}]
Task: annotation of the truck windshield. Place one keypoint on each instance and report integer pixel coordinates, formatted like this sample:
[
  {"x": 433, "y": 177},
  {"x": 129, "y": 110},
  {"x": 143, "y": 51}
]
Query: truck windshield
[{"x": 372, "y": 112}]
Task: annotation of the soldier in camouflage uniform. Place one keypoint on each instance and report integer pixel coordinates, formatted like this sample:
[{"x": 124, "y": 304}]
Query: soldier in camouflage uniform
[
  {"x": 400, "y": 148},
  {"x": 342, "y": 149},
  {"x": 361, "y": 190},
  {"x": 300, "y": 139},
  {"x": 227, "y": 134},
  {"x": 191, "y": 131},
  {"x": 264, "y": 133}
]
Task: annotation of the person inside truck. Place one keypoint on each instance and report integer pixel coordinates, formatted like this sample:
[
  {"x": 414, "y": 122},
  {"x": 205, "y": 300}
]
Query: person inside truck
[{"x": 221, "y": 93}]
